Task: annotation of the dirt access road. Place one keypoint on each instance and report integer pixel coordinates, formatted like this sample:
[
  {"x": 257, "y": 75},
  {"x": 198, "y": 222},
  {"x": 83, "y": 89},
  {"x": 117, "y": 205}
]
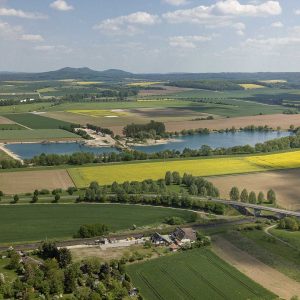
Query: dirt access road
[{"x": 266, "y": 276}]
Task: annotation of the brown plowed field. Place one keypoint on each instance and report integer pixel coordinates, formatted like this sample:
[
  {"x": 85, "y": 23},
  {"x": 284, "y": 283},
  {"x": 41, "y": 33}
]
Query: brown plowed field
[
  {"x": 285, "y": 183},
  {"x": 28, "y": 181},
  {"x": 284, "y": 121},
  {"x": 266, "y": 276}
]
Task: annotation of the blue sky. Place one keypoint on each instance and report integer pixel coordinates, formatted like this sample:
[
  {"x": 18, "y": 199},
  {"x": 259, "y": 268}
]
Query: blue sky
[{"x": 150, "y": 35}]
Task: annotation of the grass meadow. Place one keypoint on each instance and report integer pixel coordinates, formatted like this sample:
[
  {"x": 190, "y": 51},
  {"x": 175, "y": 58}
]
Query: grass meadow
[
  {"x": 35, "y": 121},
  {"x": 37, "y": 134},
  {"x": 269, "y": 251},
  {"x": 196, "y": 274},
  {"x": 36, "y": 222}
]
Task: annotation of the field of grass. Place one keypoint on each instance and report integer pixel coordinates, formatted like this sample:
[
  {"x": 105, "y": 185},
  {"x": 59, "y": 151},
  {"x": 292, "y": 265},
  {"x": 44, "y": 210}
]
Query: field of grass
[
  {"x": 37, "y": 222},
  {"x": 139, "y": 171},
  {"x": 37, "y": 134},
  {"x": 269, "y": 251},
  {"x": 293, "y": 238},
  {"x": 196, "y": 274},
  {"x": 35, "y": 121},
  {"x": 66, "y": 106},
  {"x": 11, "y": 127},
  {"x": 22, "y": 108}
]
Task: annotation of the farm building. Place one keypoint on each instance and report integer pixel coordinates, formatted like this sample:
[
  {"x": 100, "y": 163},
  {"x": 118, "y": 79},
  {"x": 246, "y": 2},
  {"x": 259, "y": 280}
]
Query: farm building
[
  {"x": 158, "y": 239},
  {"x": 183, "y": 235}
]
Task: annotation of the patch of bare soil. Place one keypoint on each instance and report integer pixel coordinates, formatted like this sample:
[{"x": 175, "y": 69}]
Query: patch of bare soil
[
  {"x": 285, "y": 183},
  {"x": 28, "y": 181},
  {"x": 266, "y": 276},
  {"x": 284, "y": 121}
]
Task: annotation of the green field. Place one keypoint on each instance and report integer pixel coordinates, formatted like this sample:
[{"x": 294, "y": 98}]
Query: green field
[
  {"x": 106, "y": 174},
  {"x": 11, "y": 127},
  {"x": 22, "y": 108},
  {"x": 195, "y": 274},
  {"x": 271, "y": 252},
  {"x": 37, "y": 222},
  {"x": 35, "y": 121},
  {"x": 37, "y": 134},
  {"x": 291, "y": 237}
]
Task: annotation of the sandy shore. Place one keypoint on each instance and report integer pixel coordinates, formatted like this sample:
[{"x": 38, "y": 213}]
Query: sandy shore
[
  {"x": 10, "y": 153},
  {"x": 151, "y": 142}
]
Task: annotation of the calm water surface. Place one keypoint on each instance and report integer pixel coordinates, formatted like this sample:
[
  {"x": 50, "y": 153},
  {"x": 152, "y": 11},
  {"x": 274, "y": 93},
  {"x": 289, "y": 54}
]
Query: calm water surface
[
  {"x": 30, "y": 150},
  {"x": 213, "y": 140},
  {"x": 216, "y": 140}
]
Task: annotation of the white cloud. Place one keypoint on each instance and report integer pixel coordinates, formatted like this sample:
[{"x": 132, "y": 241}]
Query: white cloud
[
  {"x": 234, "y": 7},
  {"x": 190, "y": 41},
  {"x": 11, "y": 12},
  {"x": 297, "y": 12},
  {"x": 176, "y": 2},
  {"x": 129, "y": 24},
  {"x": 31, "y": 37},
  {"x": 277, "y": 24},
  {"x": 61, "y": 5},
  {"x": 273, "y": 42},
  {"x": 222, "y": 12},
  {"x": 53, "y": 48},
  {"x": 10, "y": 32}
]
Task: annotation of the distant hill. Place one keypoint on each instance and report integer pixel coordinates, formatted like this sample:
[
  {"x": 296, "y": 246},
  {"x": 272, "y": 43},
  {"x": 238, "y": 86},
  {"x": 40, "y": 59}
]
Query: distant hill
[
  {"x": 69, "y": 73},
  {"x": 114, "y": 75}
]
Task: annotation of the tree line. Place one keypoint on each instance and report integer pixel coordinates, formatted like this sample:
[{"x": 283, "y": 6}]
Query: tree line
[
  {"x": 144, "y": 131},
  {"x": 245, "y": 197},
  {"x": 214, "y": 85}
]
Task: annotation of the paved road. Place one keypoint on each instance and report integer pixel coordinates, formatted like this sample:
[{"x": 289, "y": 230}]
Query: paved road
[{"x": 255, "y": 206}]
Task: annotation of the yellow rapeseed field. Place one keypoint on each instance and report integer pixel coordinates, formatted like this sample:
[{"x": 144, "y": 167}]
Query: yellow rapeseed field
[
  {"x": 144, "y": 84},
  {"x": 251, "y": 86},
  {"x": 88, "y": 82},
  {"x": 107, "y": 174},
  {"x": 98, "y": 113}
]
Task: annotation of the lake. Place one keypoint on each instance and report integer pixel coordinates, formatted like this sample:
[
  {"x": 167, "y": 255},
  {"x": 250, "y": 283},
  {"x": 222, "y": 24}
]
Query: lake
[
  {"x": 29, "y": 150},
  {"x": 215, "y": 140}
]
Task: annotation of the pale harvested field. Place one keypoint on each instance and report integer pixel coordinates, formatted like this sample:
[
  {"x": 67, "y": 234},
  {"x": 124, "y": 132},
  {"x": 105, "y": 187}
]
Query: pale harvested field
[
  {"x": 285, "y": 183},
  {"x": 284, "y": 121},
  {"x": 4, "y": 120},
  {"x": 266, "y": 276},
  {"x": 28, "y": 181}
]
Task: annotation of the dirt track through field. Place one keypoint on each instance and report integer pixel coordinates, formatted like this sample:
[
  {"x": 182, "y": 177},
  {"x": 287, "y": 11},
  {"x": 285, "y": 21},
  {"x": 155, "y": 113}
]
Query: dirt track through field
[
  {"x": 4, "y": 120},
  {"x": 285, "y": 183},
  {"x": 284, "y": 121},
  {"x": 28, "y": 181},
  {"x": 266, "y": 276}
]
